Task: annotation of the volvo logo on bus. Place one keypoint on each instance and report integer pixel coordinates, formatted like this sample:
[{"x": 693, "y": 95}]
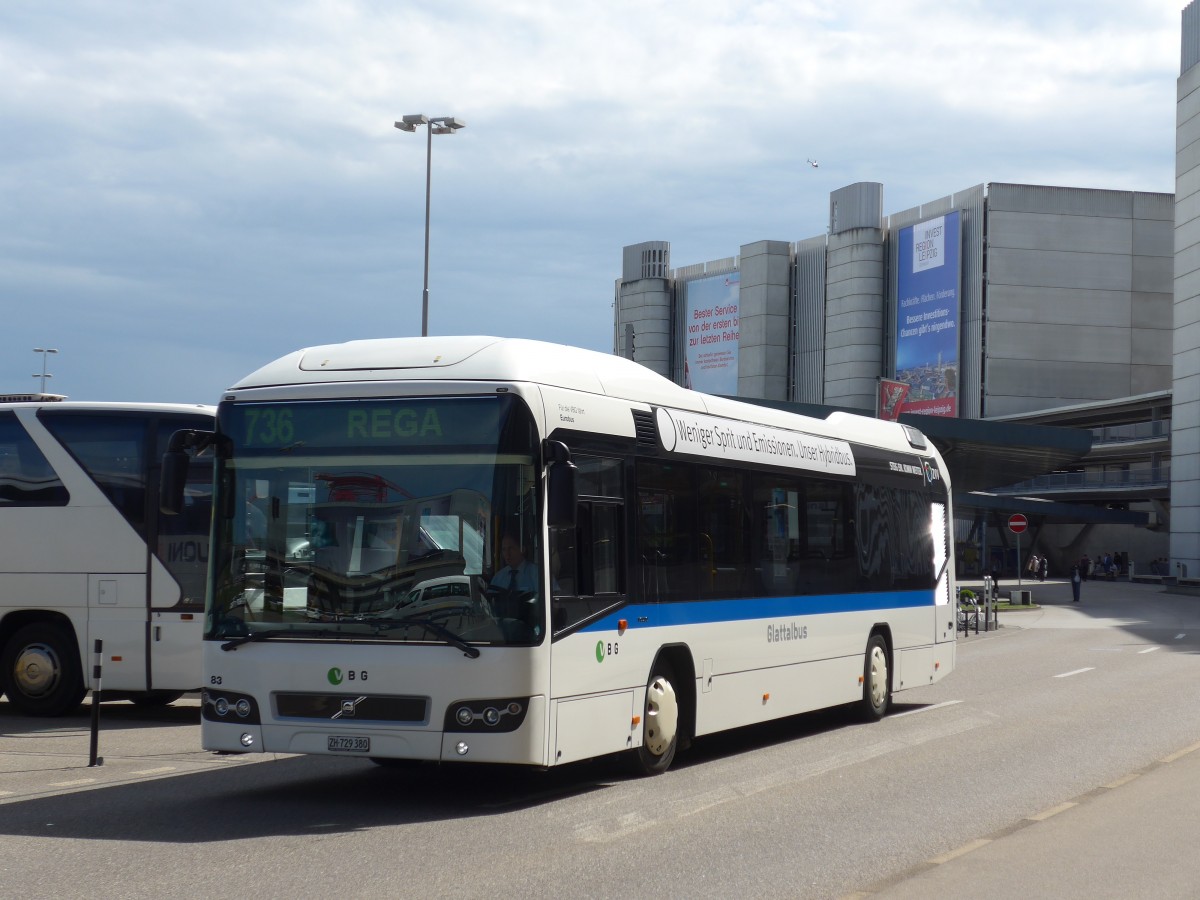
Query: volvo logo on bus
[{"x": 348, "y": 708}]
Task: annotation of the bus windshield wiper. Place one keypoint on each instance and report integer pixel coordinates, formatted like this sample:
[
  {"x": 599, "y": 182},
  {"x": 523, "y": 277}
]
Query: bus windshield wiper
[
  {"x": 437, "y": 628},
  {"x": 269, "y": 633}
]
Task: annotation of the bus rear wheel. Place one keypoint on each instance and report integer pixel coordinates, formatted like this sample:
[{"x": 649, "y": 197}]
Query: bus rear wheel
[
  {"x": 41, "y": 671},
  {"x": 877, "y": 684},
  {"x": 660, "y": 723}
]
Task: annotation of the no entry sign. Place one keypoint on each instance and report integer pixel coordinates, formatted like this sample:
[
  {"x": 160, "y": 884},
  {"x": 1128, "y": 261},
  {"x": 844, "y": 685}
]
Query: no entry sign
[{"x": 1017, "y": 523}]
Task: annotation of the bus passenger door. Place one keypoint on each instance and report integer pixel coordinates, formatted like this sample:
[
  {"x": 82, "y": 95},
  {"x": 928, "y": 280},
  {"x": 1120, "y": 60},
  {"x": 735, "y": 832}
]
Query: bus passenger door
[
  {"x": 117, "y": 616},
  {"x": 178, "y": 571}
]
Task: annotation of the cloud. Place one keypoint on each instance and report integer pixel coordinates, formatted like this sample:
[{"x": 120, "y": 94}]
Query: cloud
[{"x": 223, "y": 179}]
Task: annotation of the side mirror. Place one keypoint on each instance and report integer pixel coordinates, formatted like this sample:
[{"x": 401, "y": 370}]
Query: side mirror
[
  {"x": 561, "y": 497},
  {"x": 172, "y": 482},
  {"x": 175, "y": 462}
]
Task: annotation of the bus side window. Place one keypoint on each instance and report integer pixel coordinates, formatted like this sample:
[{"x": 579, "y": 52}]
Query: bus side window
[
  {"x": 26, "y": 477},
  {"x": 587, "y": 562},
  {"x": 666, "y": 532}
]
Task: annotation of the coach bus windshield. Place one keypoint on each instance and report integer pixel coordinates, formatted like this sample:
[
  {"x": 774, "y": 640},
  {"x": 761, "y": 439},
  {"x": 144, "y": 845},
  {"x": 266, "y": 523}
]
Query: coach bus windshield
[{"x": 391, "y": 520}]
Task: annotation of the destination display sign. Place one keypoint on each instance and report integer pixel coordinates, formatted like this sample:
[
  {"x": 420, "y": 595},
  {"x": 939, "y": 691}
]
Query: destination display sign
[
  {"x": 400, "y": 422},
  {"x": 726, "y": 439}
]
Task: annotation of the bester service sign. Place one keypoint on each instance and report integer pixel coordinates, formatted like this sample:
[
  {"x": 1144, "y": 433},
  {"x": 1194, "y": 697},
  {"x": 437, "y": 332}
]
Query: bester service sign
[{"x": 712, "y": 329}]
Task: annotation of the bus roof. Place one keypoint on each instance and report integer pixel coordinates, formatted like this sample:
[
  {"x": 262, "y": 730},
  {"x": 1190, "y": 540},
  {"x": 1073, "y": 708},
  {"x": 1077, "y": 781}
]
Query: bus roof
[
  {"x": 482, "y": 358},
  {"x": 59, "y": 402}
]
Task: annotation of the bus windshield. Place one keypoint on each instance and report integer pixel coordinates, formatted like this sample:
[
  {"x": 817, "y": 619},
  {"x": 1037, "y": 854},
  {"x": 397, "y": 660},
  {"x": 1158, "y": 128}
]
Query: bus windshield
[{"x": 384, "y": 519}]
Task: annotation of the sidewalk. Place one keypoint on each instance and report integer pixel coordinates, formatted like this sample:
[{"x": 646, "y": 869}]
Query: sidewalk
[{"x": 1127, "y": 839}]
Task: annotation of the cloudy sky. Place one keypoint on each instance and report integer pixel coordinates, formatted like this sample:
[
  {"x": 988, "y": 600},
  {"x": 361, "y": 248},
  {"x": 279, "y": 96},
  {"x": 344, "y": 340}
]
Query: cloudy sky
[{"x": 188, "y": 190}]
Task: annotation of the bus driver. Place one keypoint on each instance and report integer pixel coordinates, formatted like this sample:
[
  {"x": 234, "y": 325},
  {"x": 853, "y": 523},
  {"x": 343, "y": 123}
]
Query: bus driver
[{"x": 519, "y": 575}]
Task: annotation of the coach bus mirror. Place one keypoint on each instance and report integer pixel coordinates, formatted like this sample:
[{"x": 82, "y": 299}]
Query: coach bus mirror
[
  {"x": 175, "y": 461},
  {"x": 560, "y": 486},
  {"x": 172, "y": 481}
]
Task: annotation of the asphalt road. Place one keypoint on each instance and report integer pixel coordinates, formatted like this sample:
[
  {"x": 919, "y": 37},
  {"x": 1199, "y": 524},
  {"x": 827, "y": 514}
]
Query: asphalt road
[{"x": 1057, "y": 760}]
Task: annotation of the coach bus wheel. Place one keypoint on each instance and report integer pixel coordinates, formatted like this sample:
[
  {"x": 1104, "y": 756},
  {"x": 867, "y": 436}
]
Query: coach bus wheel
[
  {"x": 660, "y": 723},
  {"x": 877, "y": 692},
  {"x": 41, "y": 671}
]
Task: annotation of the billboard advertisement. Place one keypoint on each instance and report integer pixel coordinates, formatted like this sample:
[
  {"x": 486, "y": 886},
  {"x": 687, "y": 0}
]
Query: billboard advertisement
[
  {"x": 927, "y": 314},
  {"x": 711, "y": 329}
]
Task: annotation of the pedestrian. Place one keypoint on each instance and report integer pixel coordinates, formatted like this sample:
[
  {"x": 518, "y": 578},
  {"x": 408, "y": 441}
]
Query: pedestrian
[
  {"x": 1043, "y": 566},
  {"x": 1076, "y": 578}
]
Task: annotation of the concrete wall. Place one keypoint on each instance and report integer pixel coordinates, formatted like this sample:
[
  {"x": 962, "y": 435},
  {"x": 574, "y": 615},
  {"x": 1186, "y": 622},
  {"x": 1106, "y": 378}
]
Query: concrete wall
[
  {"x": 1078, "y": 296},
  {"x": 643, "y": 300},
  {"x": 1185, "y": 349},
  {"x": 764, "y": 307}
]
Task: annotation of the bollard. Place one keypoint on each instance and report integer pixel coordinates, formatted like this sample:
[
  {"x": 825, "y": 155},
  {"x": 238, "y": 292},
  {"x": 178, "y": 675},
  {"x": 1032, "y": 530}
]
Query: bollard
[{"x": 93, "y": 759}]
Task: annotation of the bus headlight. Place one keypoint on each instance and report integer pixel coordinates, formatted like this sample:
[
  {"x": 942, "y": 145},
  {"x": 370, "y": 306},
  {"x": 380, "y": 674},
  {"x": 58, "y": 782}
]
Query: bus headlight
[
  {"x": 486, "y": 715},
  {"x": 223, "y": 706}
]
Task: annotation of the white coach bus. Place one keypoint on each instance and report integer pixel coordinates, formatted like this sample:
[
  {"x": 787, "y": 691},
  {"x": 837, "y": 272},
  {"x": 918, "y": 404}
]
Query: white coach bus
[
  {"x": 87, "y": 555},
  {"x": 505, "y": 551}
]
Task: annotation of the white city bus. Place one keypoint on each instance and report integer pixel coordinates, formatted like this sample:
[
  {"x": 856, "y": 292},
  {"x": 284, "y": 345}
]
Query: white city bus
[
  {"x": 691, "y": 563},
  {"x": 87, "y": 555}
]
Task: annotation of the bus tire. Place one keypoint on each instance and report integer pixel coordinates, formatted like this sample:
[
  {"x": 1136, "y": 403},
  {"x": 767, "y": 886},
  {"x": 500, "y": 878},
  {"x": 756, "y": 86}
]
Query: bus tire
[
  {"x": 41, "y": 671},
  {"x": 660, "y": 723},
  {"x": 877, "y": 680}
]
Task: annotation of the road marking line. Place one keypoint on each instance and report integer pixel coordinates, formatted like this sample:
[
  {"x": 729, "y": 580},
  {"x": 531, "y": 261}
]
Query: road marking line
[
  {"x": 913, "y": 712},
  {"x": 1149, "y": 650},
  {"x": 159, "y": 771},
  {"x": 72, "y": 783},
  {"x": 1181, "y": 753},
  {"x": 1053, "y": 811},
  {"x": 1076, "y": 672},
  {"x": 961, "y": 851},
  {"x": 1181, "y": 636},
  {"x": 1112, "y": 785}
]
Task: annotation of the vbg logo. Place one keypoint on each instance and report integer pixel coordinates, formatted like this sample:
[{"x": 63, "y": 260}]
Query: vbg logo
[{"x": 334, "y": 675}]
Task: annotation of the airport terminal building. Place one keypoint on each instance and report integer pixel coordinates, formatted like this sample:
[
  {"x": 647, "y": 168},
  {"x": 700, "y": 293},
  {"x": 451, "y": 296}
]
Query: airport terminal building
[{"x": 981, "y": 316}]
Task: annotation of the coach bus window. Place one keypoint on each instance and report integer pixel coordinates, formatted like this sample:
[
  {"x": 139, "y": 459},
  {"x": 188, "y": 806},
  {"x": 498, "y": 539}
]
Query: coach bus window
[
  {"x": 665, "y": 548},
  {"x": 895, "y": 549},
  {"x": 586, "y": 569},
  {"x": 111, "y": 448},
  {"x": 804, "y": 536},
  {"x": 724, "y": 523},
  {"x": 182, "y": 540},
  {"x": 26, "y": 477}
]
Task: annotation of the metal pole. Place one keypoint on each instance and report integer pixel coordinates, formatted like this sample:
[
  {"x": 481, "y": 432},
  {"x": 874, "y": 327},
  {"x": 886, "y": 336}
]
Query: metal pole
[
  {"x": 44, "y": 374},
  {"x": 428, "y": 178},
  {"x": 93, "y": 758}
]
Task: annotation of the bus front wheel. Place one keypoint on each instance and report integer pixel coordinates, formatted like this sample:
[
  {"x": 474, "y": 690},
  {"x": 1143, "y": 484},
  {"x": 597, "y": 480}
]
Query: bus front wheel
[
  {"x": 41, "y": 671},
  {"x": 877, "y": 685},
  {"x": 660, "y": 723}
]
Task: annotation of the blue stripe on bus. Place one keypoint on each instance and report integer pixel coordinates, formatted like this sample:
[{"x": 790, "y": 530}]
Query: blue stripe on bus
[{"x": 697, "y": 612}]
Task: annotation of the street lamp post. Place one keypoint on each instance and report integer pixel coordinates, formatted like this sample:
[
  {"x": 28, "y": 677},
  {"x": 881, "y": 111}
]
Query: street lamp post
[
  {"x": 44, "y": 374},
  {"x": 436, "y": 125}
]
